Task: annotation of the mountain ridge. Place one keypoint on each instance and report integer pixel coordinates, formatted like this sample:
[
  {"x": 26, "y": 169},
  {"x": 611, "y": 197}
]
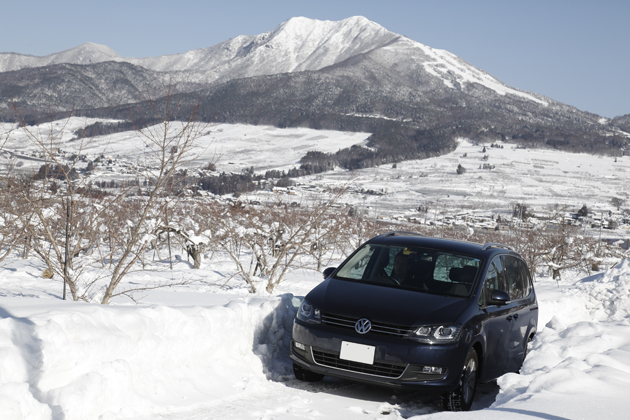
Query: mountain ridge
[
  {"x": 304, "y": 45},
  {"x": 349, "y": 75}
]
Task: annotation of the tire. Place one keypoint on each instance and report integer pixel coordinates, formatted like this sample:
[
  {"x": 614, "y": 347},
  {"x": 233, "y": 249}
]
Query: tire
[
  {"x": 461, "y": 398},
  {"x": 306, "y": 375}
]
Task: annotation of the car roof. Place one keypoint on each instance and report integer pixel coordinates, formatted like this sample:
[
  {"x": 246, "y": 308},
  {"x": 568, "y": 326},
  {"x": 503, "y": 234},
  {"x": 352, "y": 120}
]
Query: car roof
[{"x": 485, "y": 251}]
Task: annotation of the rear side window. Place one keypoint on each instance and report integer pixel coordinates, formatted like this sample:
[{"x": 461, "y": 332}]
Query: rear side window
[{"x": 445, "y": 262}]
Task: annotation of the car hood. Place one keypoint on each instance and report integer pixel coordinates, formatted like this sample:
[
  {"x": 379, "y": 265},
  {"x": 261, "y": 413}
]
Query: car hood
[{"x": 385, "y": 304}]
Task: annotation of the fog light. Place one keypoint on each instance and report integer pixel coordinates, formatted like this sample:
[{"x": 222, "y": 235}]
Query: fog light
[
  {"x": 299, "y": 346},
  {"x": 435, "y": 370}
]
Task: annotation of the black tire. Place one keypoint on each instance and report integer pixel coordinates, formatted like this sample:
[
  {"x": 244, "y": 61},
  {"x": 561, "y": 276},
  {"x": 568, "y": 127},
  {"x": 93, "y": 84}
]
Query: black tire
[
  {"x": 461, "y": 398},
  {"x": 306, "y": 375}
]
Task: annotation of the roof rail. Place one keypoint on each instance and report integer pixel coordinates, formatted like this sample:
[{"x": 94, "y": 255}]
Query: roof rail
[
  {"x": 401, "y": 233},
  {"x": 495, "y": 245}
]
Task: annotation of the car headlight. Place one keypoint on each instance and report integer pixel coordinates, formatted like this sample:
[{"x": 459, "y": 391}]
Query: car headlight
[
  {"x": 436, "y": 334},
  {"x": 309, "y": 313}
]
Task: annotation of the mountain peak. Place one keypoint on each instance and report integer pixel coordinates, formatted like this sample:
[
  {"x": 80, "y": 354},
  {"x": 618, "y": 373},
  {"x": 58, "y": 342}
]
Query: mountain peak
[
  {"x": 301, "y": 22},
  {"x": 302, "y": 26},
  {"x": 86, "y": 53},
  {"x": 314, "y": 44},
  {"x": 94, "y": 48}
]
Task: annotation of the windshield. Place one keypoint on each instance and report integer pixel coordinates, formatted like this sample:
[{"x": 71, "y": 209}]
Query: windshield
[{"x": 422, "y": 269}]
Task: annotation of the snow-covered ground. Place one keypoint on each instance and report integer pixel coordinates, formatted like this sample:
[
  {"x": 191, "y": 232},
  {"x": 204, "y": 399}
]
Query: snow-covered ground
[
  {"x": 543, "y": 179},
  {"x": 546, "y": 181},
  {"x": 211, "y": 350},
  {"x": 233, "y": 147},
  {"x": 540, "y": 178}
]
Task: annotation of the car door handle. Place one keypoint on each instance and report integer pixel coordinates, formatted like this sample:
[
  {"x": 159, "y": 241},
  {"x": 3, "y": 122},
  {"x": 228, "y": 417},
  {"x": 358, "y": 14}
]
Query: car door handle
[{"x": 511, "y": 317}]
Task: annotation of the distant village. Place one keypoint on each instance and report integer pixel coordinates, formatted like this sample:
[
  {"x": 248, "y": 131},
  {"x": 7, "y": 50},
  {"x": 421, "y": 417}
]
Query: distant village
[{"x": 112, "y": 171}]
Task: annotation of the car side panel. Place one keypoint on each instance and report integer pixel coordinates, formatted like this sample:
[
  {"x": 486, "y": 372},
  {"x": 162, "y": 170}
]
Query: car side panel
[{"x": 496, "y": 328}]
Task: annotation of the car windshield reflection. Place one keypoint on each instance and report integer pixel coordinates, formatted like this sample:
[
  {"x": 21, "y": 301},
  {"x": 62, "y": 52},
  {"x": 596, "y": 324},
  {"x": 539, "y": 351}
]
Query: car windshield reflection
[{"x": 415, "y": 268}]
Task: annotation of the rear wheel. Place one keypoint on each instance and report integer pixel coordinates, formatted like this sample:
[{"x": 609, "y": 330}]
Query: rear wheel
[
  {"x": 461, "y": 398},
  {"x": 306, "y": 375}
]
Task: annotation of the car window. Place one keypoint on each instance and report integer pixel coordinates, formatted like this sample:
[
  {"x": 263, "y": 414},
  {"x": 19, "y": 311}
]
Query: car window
[
  {"x": 415, "y": 268},
  {"x": 527, "y": 277},
  {"x": 482, "y": 297},
  {"x": 355, "y": 268},
  {"x": 391, "y": 257},
  {"x": 445, "y": 262},
  {"x": 513, "y": 277},
  {"x": 518, "y": 278},
  {"x": 495, "y": 278}
]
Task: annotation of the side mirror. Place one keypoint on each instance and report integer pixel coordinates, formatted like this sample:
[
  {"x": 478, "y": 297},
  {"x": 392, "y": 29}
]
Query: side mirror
[
  {"x": 327, "y": 272},
  {"x": 499, "y": 297}
]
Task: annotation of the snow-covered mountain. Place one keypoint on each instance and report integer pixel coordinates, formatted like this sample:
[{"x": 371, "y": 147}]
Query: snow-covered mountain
[
  {"x": 298, "y": 44},
  {"x": 295, "y": 45},
  {"x": 88, "y": 53},
  {"x": 347, "y": 75}
]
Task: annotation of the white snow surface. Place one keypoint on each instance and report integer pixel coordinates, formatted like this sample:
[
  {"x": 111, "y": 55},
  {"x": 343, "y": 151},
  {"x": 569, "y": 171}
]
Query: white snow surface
[
  {"x": 538, "y": 177},
  {"x": 210, "y": 350},
  {"x": 233, "y": 147}
]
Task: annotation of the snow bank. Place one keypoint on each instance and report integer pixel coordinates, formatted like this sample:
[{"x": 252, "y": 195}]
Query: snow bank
[
  {"x": 82, "y": 361},
  {"x": 69, "y": 360},
  {"x": 579, "y": 363}
]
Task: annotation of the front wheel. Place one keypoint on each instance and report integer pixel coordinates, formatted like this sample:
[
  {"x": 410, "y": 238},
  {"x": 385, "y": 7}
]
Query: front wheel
[
  {"x": 461, "y": 398},
  {"x": 306, "y": 375}
]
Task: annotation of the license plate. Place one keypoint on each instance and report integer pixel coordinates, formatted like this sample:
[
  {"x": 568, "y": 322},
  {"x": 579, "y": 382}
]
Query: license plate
[{"x": 357, "y": 352}]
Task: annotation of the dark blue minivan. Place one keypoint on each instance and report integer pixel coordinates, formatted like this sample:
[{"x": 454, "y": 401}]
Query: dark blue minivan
[{"x": 415, "y": 311}]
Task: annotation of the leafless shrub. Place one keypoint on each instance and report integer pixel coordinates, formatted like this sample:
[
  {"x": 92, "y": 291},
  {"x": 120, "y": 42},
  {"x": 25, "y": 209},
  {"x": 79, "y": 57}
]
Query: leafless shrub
[{"x": 267, "y": 242}]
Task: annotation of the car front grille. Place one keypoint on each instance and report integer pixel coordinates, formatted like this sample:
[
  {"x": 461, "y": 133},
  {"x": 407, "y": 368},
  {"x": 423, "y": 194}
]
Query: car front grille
[
  {"x": 386, "y": 370},
  {"x": 377, "y": 327}
]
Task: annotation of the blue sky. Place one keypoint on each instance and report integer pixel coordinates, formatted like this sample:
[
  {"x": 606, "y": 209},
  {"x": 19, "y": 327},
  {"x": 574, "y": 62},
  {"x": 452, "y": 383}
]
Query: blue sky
[{"x": 573, "y": 51}]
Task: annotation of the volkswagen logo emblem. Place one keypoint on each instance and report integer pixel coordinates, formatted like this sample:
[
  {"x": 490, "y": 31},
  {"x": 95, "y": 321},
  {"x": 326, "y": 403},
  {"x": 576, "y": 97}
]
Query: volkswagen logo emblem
[{"x": 363, "y": 325}]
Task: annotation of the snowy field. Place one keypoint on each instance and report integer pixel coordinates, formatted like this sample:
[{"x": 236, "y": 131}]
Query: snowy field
[
  {"x": 543, "y": 179},
  {"x": 210, "y": 350},
  {"x": 233, "y": 147}
]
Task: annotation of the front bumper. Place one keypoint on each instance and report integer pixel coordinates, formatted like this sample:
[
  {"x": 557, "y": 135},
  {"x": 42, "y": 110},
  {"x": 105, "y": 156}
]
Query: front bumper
[{"x": 397, "y": 362}]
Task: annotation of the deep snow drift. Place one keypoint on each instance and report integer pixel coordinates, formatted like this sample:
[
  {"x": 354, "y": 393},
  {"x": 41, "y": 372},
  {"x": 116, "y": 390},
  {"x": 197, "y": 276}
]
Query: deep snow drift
[{"x": 205, "y": 351}]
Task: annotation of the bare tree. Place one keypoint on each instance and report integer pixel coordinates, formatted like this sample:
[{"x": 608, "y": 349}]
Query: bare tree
[
  {"x": 267, "y": 243},
  {"x": 617, "y": 202},
  {"x": 68, "y": 220},
  {"x": 169, "y": 146},
  {"x": 58, "y": 227},
  {"x": 12, "y": 229}
]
